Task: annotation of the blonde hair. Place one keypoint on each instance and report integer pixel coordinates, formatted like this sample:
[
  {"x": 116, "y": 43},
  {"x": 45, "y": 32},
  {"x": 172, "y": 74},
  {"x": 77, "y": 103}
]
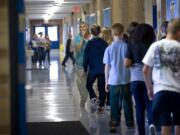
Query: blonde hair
[
  {"x": 117, "y": 29},
  {"x": 106, "y": 35},
  {"x": 174, "y": 26}
]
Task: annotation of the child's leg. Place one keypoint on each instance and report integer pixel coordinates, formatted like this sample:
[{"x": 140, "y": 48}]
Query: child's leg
[
  {"x": 176, "y": 112},
  {"x": 114, "y": 103},
  {"x": 166, "y": 130},
  {"x": 177, "y": 130},
  {"x": 137, "y": 89},
  {"x": 101, "y": 89},
  {"x": 127, "y": 105},
  {"x": 89, "y": 85}
]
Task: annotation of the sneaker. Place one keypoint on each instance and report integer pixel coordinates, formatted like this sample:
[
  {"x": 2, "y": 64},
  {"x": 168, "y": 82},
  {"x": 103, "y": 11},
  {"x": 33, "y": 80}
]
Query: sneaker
[
  {"x": 113, "y": 129},
  {"x": 108, "y": 108},
  {"x": 152, "y": 130},
  {"x": 94, "y": 104},
  {"x": 101, "y": 110},
  {"x": 113, "y": 126}
]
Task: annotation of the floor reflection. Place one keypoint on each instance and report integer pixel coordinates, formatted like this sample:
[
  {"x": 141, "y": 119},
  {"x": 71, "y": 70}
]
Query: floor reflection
[{"x": 52, "y": 95}]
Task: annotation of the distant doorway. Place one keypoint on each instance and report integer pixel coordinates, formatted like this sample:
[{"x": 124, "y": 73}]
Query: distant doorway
[{"x": 53, "y": 33}]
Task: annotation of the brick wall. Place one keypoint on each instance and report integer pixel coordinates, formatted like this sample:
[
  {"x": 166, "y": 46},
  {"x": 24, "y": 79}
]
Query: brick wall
[{"x": 4, "y": 71}]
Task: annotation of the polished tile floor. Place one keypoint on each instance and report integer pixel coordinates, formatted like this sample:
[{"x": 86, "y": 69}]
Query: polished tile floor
[{"x": 52, "y": 96}]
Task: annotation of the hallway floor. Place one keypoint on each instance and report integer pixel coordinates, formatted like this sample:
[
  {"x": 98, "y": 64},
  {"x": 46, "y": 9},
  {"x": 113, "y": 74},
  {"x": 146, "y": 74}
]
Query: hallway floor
[{"x": 54, "y": 97}]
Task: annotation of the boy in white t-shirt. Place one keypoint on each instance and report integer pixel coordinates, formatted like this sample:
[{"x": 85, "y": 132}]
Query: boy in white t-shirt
[{"x": 162, "y": 65}]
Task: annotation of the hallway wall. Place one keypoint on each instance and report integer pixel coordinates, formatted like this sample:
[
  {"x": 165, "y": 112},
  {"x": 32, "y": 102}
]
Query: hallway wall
[
  {"x": 4, "y": 71},
  {"x": 122, "y": 11}
]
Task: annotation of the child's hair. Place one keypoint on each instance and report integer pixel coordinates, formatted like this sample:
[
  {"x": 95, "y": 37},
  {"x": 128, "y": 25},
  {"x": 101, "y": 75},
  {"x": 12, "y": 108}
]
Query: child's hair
[
  {"x": 95, "y": 30},
  {"x": 132, "y": 26},
  {"x": 106, "y": 35},
  {"x": 144, "y": 33},
  {"x": 117, "y": 29},
  {"x": 174, "y": 26}
]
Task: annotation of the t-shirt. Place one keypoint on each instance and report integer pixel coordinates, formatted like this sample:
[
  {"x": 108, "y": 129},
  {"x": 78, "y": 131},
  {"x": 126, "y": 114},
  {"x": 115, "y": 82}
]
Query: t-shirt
[
  {"x": 136, "y": 53},
  {"x": 164, "y": 57},
  {"x": 80, "y": 53},
  {"x": 114, "y": 57}
]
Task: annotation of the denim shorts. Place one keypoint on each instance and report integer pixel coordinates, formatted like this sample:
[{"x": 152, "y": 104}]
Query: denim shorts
[{"x": 166, "y": 108}]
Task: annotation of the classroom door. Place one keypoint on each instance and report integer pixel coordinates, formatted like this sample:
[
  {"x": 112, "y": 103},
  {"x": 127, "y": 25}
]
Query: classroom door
[{"x": 52, "y": 32}]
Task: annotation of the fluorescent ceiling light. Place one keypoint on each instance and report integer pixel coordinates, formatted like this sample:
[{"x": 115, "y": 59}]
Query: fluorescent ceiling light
[
  {"x": 46, "y": 17},
  {"x": 59, "y": 1}
]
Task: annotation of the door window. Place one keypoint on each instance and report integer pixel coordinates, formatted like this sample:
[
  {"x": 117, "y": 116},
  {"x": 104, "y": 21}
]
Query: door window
[
  {"x": 53, "y": 33},
  {"x": 40, "y": 29}
]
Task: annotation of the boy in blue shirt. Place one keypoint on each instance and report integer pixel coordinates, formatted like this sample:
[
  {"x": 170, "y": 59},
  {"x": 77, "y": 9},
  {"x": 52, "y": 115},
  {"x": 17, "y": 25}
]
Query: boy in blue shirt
[{"x": 117, "y": 78}]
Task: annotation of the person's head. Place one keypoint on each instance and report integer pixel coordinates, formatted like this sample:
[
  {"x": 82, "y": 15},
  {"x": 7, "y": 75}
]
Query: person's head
[
  {"x": 106, "y": 34},
  {"x": 95, "y": 30},
  {"x": 35, "y": 37},
  {"x": 40, "y": 34},
  {"x": 164, "y": 29},
  {"x": 117, "y": 30},
  {"x": 131, "y": 28},
  {"x": 174, "y": 29},
  {"x": 69, "y": 35},
  {"x": 144, "y": 34},
  {"x": 83, "y": 26}
]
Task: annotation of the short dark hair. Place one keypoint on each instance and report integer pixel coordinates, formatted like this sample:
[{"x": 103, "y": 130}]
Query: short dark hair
[
  {"x": 117, "y": 29},
  {"x": 132, "y": 26},
  {"x": 174, "y": 26},
  {"x": 95, "y": 30},
  {"x": 144, "y": 34}
]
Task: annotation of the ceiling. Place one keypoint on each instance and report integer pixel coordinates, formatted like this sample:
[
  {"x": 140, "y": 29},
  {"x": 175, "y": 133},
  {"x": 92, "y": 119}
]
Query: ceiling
[{"x": 37, "y": 9}]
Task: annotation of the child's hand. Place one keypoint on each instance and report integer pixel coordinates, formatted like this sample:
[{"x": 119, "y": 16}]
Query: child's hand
[
  {"x": 106, "y": 88},
  {"x": 150, "y": 94}
]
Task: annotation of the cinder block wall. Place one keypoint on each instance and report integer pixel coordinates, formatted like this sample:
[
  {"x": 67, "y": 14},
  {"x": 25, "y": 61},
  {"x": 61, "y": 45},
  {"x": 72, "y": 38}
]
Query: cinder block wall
[{"x": 4, "y": 71}]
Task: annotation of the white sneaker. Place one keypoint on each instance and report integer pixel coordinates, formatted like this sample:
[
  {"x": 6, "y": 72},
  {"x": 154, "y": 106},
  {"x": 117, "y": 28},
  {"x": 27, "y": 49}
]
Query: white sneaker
[
  {"x": 94, "y": 104},
  {"x": 152, "y": 130},
  {"x": 108, "y": 108}
]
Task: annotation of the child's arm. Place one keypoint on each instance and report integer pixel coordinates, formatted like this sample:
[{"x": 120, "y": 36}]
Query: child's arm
[
  {"x": 147, "y": 70},
  {"x": 107, "y": 68},
  {"x": 128, "y": 62}
]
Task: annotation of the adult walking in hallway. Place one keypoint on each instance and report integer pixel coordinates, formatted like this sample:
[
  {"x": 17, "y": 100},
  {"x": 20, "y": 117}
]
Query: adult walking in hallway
[{"x": 69, "y": 51}]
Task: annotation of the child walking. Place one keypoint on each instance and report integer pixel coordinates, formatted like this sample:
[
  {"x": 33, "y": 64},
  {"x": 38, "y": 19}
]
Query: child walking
[{"x": 117, "y": 78}]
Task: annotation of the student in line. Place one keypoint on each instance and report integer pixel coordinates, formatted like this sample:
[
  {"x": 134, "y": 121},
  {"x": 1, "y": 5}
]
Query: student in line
[
  {"x": 142, "y": 38},
  {"x": 94, "y": 68},
  {"x": 162, "y": 67},
  {"x": 118, "y": 79}
]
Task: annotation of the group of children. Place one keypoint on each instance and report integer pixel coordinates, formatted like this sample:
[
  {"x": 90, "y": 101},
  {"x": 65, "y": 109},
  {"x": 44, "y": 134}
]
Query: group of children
[
  {"x": 41, "y": 48},
  {"x": 132, "y": 64}
]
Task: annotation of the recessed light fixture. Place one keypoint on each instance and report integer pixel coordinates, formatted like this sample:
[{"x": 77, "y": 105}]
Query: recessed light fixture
[
  {"x": 54, "y": 8},
  {"x": 58, "y": 1}
]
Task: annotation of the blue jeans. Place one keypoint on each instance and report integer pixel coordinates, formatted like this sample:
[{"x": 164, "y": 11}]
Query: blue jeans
[
  {"x": 142, "y": 103},
  {"x": 120, "y": 95}
]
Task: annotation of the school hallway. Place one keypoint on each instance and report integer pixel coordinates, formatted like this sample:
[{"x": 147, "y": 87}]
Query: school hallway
[{"x": 54, "y": 97}]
